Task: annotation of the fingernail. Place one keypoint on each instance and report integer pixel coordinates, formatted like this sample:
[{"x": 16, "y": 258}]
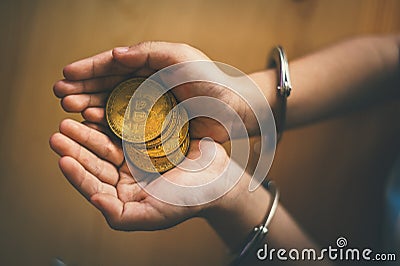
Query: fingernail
[{"x": 121, "y": 50}]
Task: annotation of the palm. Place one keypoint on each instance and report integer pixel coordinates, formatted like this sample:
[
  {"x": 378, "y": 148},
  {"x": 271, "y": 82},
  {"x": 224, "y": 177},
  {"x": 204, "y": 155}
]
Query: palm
[
  {"x": 102, "y": 176},
  {"x": 140, "y": 211}
]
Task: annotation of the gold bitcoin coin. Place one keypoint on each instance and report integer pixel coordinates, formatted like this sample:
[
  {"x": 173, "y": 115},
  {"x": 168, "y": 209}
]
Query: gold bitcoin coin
[
  {"x": 170, "y": 140},
  {"x": 146, "y": 113},
  {"x": 170, "y": 118},
  {"x": 169, "y": 126},
  {"x": 156, "y": 164},
  {"x": 169, "y": 146}
]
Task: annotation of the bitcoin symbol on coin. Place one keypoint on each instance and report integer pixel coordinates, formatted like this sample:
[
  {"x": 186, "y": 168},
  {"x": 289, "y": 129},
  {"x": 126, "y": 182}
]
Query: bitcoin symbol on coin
[{"x": 146, "y": 135}]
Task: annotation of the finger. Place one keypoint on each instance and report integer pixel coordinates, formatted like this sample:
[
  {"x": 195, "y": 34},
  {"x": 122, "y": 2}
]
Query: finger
[
  {"x": 87, "y": 184},
  {"x": 79, "y": 102},
  {"x": 106, "y": 131},
  {"x": 66, "y": 87},
  {"x": 100, "y": 65},
  {"x": 127, "y": 60},
  {"x": 94, "y": 140},
  {"x": 111, "y": 207},
  {"x": 97, "y": 127},
  {"x": 144, "y": 72},
  {"x": 155, "y": 55},
  {"x": 95, "y": 115},
  {"x": 103, "y": 170}
]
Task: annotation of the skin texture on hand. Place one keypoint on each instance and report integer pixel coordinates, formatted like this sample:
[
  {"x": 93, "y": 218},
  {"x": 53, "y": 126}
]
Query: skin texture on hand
[
  {"x": 101, "y": 175},
  {"x": 88, "y": 82}
]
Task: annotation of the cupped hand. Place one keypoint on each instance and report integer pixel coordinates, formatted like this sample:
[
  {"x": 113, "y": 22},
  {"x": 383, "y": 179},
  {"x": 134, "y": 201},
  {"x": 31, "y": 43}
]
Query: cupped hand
[
  {"x": 93, "y": 162},
  {"x": 88, "y": 83}
]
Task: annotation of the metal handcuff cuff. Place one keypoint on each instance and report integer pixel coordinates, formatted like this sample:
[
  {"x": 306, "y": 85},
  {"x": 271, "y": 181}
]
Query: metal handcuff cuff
[{"x": 277, "y": 59}]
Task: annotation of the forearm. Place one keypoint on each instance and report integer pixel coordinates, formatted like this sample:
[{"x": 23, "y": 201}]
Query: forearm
[
  {"x": 238, "y": 212},
  {"x": 338, "y": 78}
]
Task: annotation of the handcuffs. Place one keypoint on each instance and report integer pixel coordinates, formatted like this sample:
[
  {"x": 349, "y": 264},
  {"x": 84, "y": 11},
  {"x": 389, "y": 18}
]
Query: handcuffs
[{"x": 277, "y": 59}]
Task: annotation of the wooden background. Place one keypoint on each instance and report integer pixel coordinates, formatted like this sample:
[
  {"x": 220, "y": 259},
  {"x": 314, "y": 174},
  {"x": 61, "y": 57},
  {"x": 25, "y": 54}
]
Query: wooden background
[{"x": 331, "y": 174}]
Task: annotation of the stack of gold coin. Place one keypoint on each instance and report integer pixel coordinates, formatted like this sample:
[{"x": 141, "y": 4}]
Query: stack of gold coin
[{"x": 156, "y": 134}]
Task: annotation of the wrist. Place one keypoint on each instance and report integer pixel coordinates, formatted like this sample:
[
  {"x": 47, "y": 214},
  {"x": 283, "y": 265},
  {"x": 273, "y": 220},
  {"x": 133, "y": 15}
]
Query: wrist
[
  {"x": 267, "y": 82},
  {"x": 234, "y": 215}
]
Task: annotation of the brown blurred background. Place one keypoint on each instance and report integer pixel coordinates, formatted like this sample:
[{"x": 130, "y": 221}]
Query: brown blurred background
[{"x": 331, "y": 174}]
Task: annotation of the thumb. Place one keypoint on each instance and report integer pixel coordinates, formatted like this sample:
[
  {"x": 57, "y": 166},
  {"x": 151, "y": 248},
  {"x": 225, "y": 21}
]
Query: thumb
[
  {"x": 110, "y": 206},
  {"x": 156, "y": 55}
]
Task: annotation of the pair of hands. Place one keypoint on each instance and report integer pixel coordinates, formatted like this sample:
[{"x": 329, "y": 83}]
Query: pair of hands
[{"x": 92, "y": 158}]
